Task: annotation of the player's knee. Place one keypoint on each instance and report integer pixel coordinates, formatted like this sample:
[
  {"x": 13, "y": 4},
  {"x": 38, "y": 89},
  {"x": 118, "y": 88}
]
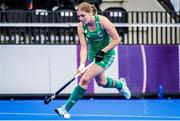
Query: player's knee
[
  {"x": 84, "y": 81},
  {"x": 100, "y": 83}
]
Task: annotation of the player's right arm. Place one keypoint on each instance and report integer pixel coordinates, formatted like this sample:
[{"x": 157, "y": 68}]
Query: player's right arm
[{"x": 83, "y": 45}]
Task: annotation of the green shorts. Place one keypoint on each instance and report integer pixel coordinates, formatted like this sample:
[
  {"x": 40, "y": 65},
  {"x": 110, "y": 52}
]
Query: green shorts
[{"x": 107, "y": 61}]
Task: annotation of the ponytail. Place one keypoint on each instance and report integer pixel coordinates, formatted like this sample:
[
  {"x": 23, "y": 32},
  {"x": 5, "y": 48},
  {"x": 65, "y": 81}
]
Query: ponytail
[{"x": 94, "y": 10}]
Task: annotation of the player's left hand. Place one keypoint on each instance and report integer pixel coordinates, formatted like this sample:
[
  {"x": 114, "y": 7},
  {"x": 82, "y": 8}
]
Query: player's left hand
[{"x": 99, "y": 56}]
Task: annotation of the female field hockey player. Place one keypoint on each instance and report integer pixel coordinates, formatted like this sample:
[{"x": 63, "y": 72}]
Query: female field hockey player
[{"x": 102, "y": 37}]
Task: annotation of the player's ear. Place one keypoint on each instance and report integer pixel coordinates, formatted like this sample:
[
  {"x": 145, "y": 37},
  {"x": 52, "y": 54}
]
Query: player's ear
[{"x": 91, "y": 13}]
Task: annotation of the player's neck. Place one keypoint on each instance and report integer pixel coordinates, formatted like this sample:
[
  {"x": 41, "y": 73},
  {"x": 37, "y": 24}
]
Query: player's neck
[{"x": 92, "y": 22}]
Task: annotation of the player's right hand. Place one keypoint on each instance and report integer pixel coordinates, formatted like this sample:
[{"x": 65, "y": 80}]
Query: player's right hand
[{"x": 81, "y": 67}]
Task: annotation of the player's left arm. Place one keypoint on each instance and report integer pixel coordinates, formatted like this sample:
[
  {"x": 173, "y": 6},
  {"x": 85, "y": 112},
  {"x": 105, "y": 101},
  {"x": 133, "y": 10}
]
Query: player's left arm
[{"x": 111, "y": 30}]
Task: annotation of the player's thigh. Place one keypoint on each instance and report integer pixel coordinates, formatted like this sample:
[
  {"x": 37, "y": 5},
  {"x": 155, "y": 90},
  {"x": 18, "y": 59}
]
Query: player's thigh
[{"x": 92, "y": 72}]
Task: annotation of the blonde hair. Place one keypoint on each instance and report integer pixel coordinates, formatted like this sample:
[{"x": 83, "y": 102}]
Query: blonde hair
[{"x": 87, "y": 7}]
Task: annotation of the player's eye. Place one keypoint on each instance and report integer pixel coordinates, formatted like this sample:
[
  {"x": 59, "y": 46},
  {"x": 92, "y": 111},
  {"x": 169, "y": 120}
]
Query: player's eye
[{"x": 81, "y": 16}]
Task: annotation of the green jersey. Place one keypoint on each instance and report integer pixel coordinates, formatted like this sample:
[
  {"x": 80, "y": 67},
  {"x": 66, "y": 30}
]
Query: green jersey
[{"x": 97, "y": 40}]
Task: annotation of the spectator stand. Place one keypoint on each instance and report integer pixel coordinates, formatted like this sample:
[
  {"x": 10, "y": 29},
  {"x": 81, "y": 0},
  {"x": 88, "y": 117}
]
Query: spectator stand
[{"x": 117, "y": 15}]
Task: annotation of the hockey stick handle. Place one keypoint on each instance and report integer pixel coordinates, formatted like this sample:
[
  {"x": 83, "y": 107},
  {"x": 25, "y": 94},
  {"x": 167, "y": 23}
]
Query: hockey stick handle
[
  {"x": 79, "y": 73},
  {"x": 75, "y": 76}
]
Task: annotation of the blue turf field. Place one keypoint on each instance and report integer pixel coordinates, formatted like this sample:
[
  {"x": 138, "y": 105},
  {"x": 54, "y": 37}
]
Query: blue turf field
[{"x": 97, "y": 109}]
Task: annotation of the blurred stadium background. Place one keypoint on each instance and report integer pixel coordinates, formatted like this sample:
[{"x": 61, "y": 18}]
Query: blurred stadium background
[{"x": 39, "y": 47}]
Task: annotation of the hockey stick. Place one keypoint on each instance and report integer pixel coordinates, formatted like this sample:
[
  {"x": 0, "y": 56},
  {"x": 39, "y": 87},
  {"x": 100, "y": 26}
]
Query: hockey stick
[{"x": 47, "y": 99}]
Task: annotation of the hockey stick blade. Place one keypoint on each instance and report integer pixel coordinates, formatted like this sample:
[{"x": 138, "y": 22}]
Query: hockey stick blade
[{"x": 47, "y": 99}]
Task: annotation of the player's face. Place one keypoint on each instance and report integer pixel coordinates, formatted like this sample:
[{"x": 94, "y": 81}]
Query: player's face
[{"x": 83, "y": 16}]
